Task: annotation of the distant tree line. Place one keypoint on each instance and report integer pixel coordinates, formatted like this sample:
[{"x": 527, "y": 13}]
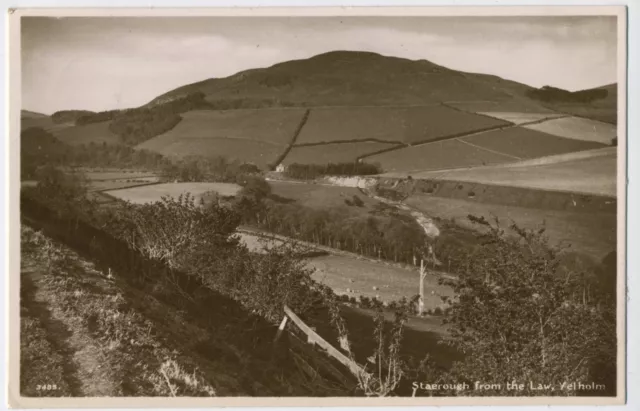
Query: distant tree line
[
  {"x": 40, "y": 148},
  {"x": 556, "y": 95},
  {"x": 313, "y": 171}
]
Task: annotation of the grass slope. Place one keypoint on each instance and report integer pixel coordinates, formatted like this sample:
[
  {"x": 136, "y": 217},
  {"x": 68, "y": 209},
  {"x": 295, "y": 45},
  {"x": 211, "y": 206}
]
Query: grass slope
[
  {"x": 154, "y": 192},
  {"x": 578, "y": 129},
  {"x": 593, "y": 172},
  {"x": 271, "y": 126},
  {"x": 333, "y": 153},
  {"x": 353, "y": 78},
  {"x": 390, "y": 124},
  {"x": 525, "y": 143},
  {"x": 262, "y": 154},
  {"x": 438, "y": 155},
  {"x": 97, "y": 133}
]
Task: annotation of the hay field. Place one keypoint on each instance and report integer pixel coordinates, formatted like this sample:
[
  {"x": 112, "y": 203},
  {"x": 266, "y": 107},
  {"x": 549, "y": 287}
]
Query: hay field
[
  {"x": 151, "y": 193},
  {"x": 578, "y": 129},
  {"x": 439, "y": 155},
  {"x": 97, "y": 133},
  {"x": 525, "y": 143},
  {"x": 333, "y": 153},
  {"x": 390, "y": 124}
]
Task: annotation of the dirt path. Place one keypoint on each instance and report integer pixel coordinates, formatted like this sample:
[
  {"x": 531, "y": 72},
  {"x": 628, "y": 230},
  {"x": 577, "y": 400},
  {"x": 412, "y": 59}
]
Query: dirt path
[{"x": 85, "y": 369}]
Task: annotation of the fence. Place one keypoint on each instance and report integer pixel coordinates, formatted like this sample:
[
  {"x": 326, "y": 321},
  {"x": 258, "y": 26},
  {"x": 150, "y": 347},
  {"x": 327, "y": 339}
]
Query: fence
[{"x": 314, "y": 338}]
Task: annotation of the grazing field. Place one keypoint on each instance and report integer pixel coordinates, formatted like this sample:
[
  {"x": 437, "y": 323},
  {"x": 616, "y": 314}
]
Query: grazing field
[
  {"x": 356, "y": 276},
  {"x": 438, "y": 155},
  {"x": 260, "y": 153},
  {"x": 269, "y": 126},
  {"x": 520, "y": 118},
  {"x": 578, "y": 129},
  {"x": 525, "y": 143},
  {"x": 151, "y": 193},
  {"x": 333, "y": 153},
  {"x": 319, "y": 196},
  {"x": 97, "y": 133},
  {"x": 593, "y": 234},
  {"x": 390, "y": 124},
  {"x": 595, "y": 174}
]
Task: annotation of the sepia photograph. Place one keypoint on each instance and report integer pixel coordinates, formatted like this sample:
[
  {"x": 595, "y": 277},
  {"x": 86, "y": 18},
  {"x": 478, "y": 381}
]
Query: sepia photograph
[{"x": 365, "y": 207}]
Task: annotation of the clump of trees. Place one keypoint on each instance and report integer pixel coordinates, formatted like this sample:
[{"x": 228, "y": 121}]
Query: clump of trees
[
  {"x": 196, "y": 168},
  {"x": 40, "y": 148},
  {"x": 313, "y": 171},
  {"x": 69, "y": 116},
  {"x": 556, "y": 95},
  {"x": 137, "y": 125}
]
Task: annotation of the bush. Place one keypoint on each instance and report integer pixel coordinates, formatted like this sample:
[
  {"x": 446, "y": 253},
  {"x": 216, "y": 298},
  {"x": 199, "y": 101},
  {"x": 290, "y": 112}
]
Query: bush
[{"x": 357, "y": 201}]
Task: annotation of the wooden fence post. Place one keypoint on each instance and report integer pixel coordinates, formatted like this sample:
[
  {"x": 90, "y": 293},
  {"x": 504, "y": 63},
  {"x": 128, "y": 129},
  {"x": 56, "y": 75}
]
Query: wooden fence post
[
  {"x": 421, "y": 293},
  {"x": 283, "y": 323}
]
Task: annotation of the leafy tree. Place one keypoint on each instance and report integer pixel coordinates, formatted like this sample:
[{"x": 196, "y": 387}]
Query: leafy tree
[{"x": 516, "y": 319}]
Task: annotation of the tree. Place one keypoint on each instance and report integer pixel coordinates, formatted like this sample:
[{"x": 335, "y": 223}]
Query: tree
[{"x": 516, "y": 319}]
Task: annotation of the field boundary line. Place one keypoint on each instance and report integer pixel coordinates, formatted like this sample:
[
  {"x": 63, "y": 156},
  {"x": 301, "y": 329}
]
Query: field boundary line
[
  {"x": 296, "y": 133},
  {"x": 488, "y": 149},
  {"x": 364, "y": 140}
]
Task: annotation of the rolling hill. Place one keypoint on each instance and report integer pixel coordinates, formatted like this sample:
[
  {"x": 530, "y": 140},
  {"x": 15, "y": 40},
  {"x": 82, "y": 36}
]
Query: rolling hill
[{"x": 350, "y": 78}]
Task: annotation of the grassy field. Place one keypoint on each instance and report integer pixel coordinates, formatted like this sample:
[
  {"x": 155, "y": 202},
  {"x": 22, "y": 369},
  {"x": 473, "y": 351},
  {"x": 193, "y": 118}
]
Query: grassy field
[
  {"x": 401, "y": 124},
  {"x": 320, "y": 196},
  {"x": 594, "y": 174},
  {"x": 437, "y": 156},
  {"x": 104, "y": 185},
  {"x": 525, "y": 143},
  {"x": 593, "y": 234},
  {"x": 520, "y": 118},
  {"x": 97, "y": 133},
  {"x": 270, "y": 126},
  {"x": 578, "y": 129},
  {"x": 358, "y": 276},
  {"x": 333, "y": 153},
  {"x": 260, "y": 153},
  {"x": 151, "y": 193}
]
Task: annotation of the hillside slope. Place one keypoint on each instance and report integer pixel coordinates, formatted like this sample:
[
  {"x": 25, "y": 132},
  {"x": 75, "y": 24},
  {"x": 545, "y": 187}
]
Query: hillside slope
[{"x": 353, "y": 78}]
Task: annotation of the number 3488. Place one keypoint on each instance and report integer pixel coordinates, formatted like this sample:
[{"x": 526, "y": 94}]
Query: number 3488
[{"x": 46, "y": 387}]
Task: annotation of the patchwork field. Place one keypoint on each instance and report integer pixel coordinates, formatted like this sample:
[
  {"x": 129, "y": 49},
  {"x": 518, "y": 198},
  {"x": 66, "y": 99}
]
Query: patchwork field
[
  {"x": 260, "y": 153},
  {"x": 521, "y": 118},
  {"x": 439, "y": 155},
  {"x": 97, "y": 133},
  {"x": 151, "y": 193},
  {"x": 333, "y": 153},
  {"x": 593, "y": 172},
  {"x": 525, "y": 143},
  {"x": 270, "y": 126},
  {"x": 390, "y": 124},
  {"x": 578, "y": 129},
  {"x": 593, "y": 234}
]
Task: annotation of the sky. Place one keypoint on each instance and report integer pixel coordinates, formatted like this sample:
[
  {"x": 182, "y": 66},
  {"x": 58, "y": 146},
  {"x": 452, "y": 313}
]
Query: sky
[{"x": 103, "y": 63}]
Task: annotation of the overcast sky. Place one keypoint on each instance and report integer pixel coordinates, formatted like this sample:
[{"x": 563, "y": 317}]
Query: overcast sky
[{"x": 107, "y": 63}]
